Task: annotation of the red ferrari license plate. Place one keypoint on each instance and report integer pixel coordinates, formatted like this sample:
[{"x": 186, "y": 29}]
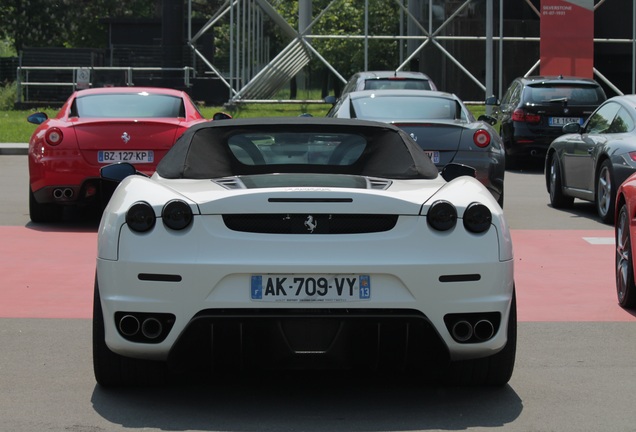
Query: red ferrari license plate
[{"x": 132, "y": 156}]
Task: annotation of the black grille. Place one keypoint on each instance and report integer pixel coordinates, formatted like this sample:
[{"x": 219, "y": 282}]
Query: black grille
[
  {"x": 351, "y": 340},
  {"x": 310, "y": 224}
]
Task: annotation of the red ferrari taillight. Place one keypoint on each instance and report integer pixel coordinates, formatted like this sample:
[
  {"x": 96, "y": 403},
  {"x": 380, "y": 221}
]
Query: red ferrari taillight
[
  {"x": 521, "y": 115},
  {"x": 481, "y": 138},
  {"x": 632, "y": 155},
  {"x": 54, "y": 136}
]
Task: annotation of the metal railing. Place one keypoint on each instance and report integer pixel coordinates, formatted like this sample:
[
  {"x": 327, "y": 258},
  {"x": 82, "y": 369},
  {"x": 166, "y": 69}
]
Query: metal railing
[{"x": 81, "y": 77}]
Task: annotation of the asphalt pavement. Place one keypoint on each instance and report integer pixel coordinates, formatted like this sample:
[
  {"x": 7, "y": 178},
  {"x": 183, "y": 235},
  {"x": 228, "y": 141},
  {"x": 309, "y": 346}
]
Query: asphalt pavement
[{"x": 575, "y": 369}]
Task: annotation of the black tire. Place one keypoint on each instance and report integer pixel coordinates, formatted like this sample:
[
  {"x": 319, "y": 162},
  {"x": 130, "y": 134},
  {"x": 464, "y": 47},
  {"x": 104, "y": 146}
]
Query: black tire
[
  {"x": 495, "y": 370},
  {"x": 512, "y": 162},
  {"x": 605, "y": 194},
  {"x": 625, "y": 288},
  {"x": 555, "y": 186},
  {"x": 114, "y": 370},
  {"x": 43, "y": 213}
]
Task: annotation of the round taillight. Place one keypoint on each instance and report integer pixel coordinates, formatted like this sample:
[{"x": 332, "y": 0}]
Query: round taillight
[
  {"x": 140, "y": 217},
  {"x": 176, "y": 215},
  {"x": 481, "y": 138},
  {"x": 54, "y": 136},
  {"x": 442, "y": 216},
  {"x": 477, "y": 218}
]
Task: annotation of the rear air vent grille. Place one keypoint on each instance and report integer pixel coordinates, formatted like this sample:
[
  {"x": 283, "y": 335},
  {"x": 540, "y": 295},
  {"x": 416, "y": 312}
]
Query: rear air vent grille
[
  {"x": 378, "y": 183},
  {"x": 310, "y": 224},
  {"x": 230, "y": 183}
]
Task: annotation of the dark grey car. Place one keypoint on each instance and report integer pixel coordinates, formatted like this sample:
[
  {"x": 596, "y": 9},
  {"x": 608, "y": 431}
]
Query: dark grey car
[
  {"x": 593, "y": 160},
  {"x": 440, "y": 123}
]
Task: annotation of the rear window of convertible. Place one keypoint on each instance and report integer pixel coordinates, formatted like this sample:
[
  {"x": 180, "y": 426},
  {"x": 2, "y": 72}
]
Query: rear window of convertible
[{"x": 309, "y": 148}]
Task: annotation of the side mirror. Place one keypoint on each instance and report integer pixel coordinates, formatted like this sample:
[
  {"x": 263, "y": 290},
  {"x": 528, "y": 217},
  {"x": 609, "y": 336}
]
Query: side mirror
[
  {"x": 492, "y": 100},
  {"x": 117, "y": 172},
  {"x": 571, "y": 128},
  {"x": 37, "y": 118},
  {"x": 330, "y": 100},
  {"x": 454, "y": 170},
  {"x": 221, "y": 116},
  {"x": 488, "y": 119}
]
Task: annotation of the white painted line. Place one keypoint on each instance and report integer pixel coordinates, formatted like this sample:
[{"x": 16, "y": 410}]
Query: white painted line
[{"x": 599, "y": 240}]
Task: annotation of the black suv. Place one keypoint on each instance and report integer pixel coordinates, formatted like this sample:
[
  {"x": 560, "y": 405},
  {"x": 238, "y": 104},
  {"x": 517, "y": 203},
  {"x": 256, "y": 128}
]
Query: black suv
[{"x": 535, "y": 108}]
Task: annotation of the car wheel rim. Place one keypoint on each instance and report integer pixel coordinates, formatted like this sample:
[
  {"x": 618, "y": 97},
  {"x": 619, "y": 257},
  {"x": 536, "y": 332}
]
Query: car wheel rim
[
  {"x": 604, "y": 191},
  {"x": 623, "y": 255}
]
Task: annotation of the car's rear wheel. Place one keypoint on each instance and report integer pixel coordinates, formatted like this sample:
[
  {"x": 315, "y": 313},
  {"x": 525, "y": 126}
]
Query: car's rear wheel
[
  {"x": 114, "y": 370},
  {"x": 494, "y": 370},
  {"x": 43, "y": 213},
  {"x": 625, "y": 288},
  {"x": 512, "y": 162},
  {"x": 555, "y": 185},
  {"x": 605, "y": 193}
]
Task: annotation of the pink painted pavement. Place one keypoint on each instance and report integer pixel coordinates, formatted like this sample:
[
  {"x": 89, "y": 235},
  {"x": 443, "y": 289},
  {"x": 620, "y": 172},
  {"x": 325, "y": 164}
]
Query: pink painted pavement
[{"x": 47, "y": 273}]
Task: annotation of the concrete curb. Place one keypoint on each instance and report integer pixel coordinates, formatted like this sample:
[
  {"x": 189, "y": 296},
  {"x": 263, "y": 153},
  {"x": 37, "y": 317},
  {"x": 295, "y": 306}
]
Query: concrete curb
[{"x": 14, "y": 148}]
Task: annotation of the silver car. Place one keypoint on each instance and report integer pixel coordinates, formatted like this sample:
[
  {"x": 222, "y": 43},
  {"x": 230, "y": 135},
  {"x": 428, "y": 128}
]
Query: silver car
[{"x": 388, "y": 80}]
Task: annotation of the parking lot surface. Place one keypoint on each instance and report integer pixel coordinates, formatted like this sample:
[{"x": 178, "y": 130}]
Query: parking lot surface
[{"x": 575, "y": 371}]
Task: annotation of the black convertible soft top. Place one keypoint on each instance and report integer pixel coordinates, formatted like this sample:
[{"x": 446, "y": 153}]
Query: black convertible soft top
[{"x": 209, "y": 150}]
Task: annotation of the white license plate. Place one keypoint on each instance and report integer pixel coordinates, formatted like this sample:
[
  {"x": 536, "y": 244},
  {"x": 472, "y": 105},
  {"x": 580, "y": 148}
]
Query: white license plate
[
  {"x": 560, "y": 121},
  {"x": 132, "y": 156},
  {"x": 310, "y": 288},
  {"x": 434, "y": 155}
]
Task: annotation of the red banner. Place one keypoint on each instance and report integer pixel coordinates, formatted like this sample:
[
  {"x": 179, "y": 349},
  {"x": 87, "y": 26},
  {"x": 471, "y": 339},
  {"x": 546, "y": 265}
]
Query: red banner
[{"x": 567, "y": 37}]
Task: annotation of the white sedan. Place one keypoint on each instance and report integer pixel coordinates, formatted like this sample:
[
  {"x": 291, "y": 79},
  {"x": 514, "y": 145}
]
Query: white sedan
[{"x": 302, "y": 243}]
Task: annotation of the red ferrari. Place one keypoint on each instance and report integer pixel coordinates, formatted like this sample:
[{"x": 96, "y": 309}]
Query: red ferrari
[
  {"x": 96, "y": 127},
  {"x": 625, "y": 236}
]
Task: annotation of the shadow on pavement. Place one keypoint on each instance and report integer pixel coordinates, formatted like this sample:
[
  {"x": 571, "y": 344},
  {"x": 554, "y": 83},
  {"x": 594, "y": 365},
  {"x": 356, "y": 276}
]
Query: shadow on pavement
[
  {"x": 286, "y": 403},
  {"x": 74, "y": 219}
]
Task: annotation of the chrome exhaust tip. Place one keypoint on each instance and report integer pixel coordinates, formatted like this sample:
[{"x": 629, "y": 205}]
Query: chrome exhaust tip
[
  {"x": 151, "y": 328},
  {"x": 129, "y": 325},
  {"x": 462, "y": 331},
  {"x": 484, "y": 330}
]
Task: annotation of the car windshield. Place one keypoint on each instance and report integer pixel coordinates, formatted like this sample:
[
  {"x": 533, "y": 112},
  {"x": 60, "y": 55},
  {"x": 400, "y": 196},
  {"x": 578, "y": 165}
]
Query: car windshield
[
  {"x": 572, "y": 94},
  {"x": 308, "y": 148},
  {"x": 406, "y": 108},
  {"x": 128, "y": 105},
  {"x": 396, "y": 84}
]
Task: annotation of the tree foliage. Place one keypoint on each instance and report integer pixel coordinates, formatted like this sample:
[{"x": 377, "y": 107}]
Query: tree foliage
[
  {"x": 345, "y": 18},
  {"x": 66, "y": 23},
  {"x": 83, "y": 24}
]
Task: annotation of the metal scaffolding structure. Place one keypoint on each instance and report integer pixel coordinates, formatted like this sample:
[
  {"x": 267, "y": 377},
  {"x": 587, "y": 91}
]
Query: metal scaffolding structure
[{"x": 253, "y": 74}]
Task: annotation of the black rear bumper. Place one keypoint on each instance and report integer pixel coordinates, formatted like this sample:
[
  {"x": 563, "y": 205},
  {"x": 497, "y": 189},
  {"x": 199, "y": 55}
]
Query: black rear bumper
[{"x": 355, "y": 340}]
